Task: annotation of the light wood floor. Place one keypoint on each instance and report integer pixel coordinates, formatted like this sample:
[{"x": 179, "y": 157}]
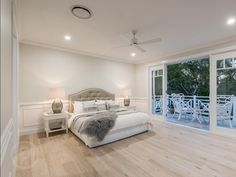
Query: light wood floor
[{"x": 167, "y": 151}]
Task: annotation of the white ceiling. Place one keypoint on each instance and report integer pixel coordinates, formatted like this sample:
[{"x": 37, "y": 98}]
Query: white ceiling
[{"x": 182, "y": 24}]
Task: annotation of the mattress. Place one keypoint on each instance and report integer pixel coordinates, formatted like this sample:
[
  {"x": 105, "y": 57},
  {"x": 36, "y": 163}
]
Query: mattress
[{"x": 126, "y": 125}]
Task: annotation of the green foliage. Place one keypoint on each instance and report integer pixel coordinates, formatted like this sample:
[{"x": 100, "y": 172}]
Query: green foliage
[
  {"x": 226, "y": 81},
  {"x": 189, "y": 78}
]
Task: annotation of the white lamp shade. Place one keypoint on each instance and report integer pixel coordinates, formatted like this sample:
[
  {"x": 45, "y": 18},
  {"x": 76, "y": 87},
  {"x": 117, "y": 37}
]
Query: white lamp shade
[
  {"x": 56, "y": 93},
  {"x": 127, "y": 93}
]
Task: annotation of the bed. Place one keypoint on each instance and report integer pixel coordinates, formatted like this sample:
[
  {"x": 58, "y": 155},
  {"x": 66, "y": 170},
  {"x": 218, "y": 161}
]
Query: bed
[{"x": 127, "y": 123}]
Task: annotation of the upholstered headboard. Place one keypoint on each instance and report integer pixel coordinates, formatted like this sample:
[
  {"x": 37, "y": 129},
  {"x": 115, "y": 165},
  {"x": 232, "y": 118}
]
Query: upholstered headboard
[{"x": 89, "y": 94}]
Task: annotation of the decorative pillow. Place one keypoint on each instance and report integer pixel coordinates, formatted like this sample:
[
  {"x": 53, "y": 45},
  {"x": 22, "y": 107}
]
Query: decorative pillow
[
  {"x": 101, "y": 101},
  {"x": 89, "y": 106},
  {"x": 101, "y": 106},
  {"x": 93, "y": 108},
  {"x": 88, "y": 103},
  {"x": 110, "y": 101},
  {"x": 78, "y": 107},
  {"x": 113, "y": 107}
]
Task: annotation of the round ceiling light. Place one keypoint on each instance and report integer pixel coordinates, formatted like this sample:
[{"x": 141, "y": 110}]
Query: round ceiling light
[
  {"x": 231, "y": 21},
  {"x": 81, "y": 12}
]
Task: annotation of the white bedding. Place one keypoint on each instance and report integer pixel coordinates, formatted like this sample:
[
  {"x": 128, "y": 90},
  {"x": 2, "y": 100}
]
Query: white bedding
[{"x": 127, "y": 124}]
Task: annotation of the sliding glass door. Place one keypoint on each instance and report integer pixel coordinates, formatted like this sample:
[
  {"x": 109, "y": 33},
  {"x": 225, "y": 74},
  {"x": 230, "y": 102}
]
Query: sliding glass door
[
  {"x": 224, "y": 91},
  {"x": 187, "y": 96},
  {"x": 156, "y": 74},
  {"x": 199, "y": 93}
]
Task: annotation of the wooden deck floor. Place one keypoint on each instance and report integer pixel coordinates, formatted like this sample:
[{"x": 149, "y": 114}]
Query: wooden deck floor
[{"x": 166, "y": 151}]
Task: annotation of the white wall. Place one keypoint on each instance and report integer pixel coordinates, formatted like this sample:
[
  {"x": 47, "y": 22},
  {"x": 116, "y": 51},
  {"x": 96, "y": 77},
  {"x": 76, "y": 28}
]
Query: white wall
[
  {"x": 44, "y": 68},
  {"x": 141, "y": 82},
  {"x": 141, "y": 88}
]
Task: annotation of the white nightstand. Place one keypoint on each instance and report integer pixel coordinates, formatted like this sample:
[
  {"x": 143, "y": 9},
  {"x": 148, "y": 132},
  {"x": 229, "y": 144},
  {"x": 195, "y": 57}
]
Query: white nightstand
[{"x": 55, "y": 122}]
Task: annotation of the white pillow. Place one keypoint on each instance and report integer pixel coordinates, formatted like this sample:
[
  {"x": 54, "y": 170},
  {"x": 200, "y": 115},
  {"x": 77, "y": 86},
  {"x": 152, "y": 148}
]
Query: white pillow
[
  {"x": 110, "y": 101},
  {"x": 89, "y": 106},
  {"x": 101, "y": 106},
  {"x": 88, "y": 103},
  {"x": 100, "y": 101},
  {"x": 84, "y": 106},
  {"x": 78, "y": 107}
]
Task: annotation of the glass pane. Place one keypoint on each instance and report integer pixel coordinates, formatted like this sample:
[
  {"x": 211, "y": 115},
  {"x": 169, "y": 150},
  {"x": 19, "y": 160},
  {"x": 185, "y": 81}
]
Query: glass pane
[
  {"x": 156, "y": 73},
  {"x": 226, "y": 108},
  {"x": 157, "y": 99},
  {"x": 161, "y": 72},
  {"x": 188, "y": 93},
  {"x": 158, "y": 86},
  {"x": 220, "y": 64},
  {"x": 229, "y": 63},
  {"x": 234, "y": 62}
]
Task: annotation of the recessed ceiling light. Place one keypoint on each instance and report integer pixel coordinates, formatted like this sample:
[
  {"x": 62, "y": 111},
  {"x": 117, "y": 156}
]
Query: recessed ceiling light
[
  {"x": 133, "y": 54},
  {"x": 231, "y": 21},
  {"x": 67, "y": 37},
  {"x": 81, "y": 12}
]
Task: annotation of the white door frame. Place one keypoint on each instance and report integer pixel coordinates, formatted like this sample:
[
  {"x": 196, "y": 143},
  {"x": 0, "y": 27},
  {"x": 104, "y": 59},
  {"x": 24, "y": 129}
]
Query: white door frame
[
  {"x": 213, "y": 94},
  {"x": 150, "y": 69}
]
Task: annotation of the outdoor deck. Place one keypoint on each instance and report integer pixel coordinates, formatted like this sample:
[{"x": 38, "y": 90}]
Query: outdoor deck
[
  {"x": 188, "y": 120},
  {"x": 198, "y": 118}
]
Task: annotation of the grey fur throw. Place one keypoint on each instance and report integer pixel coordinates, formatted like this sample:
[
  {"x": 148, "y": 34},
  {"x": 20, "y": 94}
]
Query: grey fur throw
[{"x": 99, "y": 125}]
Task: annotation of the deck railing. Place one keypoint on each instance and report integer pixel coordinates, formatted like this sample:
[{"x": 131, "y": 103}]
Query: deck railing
[{"x": 193, "y": 102}]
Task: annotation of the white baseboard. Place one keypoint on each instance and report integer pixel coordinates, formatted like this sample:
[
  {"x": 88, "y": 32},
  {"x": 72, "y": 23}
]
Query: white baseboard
[{"x": 30, "y": 131}]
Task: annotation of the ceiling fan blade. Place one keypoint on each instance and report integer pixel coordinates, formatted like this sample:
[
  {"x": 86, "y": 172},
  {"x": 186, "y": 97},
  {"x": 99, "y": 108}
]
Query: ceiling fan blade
[
  {"x": 139, "y": 48},
  {"x": 151, "y": 41}
]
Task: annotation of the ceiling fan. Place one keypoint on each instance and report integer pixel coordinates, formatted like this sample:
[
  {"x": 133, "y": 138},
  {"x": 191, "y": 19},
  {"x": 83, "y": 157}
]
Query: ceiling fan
[{"x": 137, "y": 44}]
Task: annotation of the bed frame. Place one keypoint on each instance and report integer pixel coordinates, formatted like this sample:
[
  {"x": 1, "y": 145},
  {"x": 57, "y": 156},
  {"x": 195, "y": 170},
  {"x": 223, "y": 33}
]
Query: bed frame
[
  {"x": 100, "y": 94},
  {"x": 88, "y": 95}
]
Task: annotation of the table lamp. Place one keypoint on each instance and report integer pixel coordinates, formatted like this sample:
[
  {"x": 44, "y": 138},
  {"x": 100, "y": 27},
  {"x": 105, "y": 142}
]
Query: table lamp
[
  {"x": 127, "y": 94},
  {"x": 57, "y": 94}
]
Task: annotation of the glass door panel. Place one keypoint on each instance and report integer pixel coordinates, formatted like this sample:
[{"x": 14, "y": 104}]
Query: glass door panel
[
  {"x": 225, "y": 92},
  {"x": 157, "y": 90},
  {"x": 187, "y": 96}
]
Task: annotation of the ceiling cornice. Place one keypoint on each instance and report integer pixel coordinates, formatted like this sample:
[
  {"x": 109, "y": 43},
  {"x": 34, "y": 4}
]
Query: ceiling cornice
[
  {"x": 114, "y": 59},
  {"x": 226, "y": 42}
]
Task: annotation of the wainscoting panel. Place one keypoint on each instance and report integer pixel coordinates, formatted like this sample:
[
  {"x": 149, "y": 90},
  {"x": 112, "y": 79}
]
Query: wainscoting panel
[
  {"x": 6, "y": 138},
  {"x": 7, "y": 150},
  {"x": 31, "y": 116},
  {"x": 141, "y": 104}
]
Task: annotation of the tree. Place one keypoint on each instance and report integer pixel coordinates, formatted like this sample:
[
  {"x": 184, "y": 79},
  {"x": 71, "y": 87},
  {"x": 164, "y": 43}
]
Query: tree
[
  {"x": 189, "y": 78},
  {"x": 226, "y": 82}
]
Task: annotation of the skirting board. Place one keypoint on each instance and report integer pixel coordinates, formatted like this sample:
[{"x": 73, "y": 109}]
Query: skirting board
[{"x": 31, "y": 120}]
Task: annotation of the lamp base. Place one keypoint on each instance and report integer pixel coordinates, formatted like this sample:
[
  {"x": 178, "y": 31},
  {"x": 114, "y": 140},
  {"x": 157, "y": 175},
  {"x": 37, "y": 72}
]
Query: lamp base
[
  {"x": 126, "y": 102},
  {"x": 57, "y": 106}
]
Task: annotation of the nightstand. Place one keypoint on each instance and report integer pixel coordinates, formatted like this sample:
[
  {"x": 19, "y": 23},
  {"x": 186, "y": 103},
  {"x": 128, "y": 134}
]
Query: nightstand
[{"x": 55, "y": 122}]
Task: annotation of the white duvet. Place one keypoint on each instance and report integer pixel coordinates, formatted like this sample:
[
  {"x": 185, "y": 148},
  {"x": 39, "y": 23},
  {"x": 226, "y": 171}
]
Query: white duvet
[{"x": 125, "y": 119}]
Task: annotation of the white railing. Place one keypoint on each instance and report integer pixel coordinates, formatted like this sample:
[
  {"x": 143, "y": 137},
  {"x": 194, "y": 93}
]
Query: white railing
[
  {"x": 193, "y": 102},
  {"x": 201, "y": 102},
  {"x": 157, "y": 104}
]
